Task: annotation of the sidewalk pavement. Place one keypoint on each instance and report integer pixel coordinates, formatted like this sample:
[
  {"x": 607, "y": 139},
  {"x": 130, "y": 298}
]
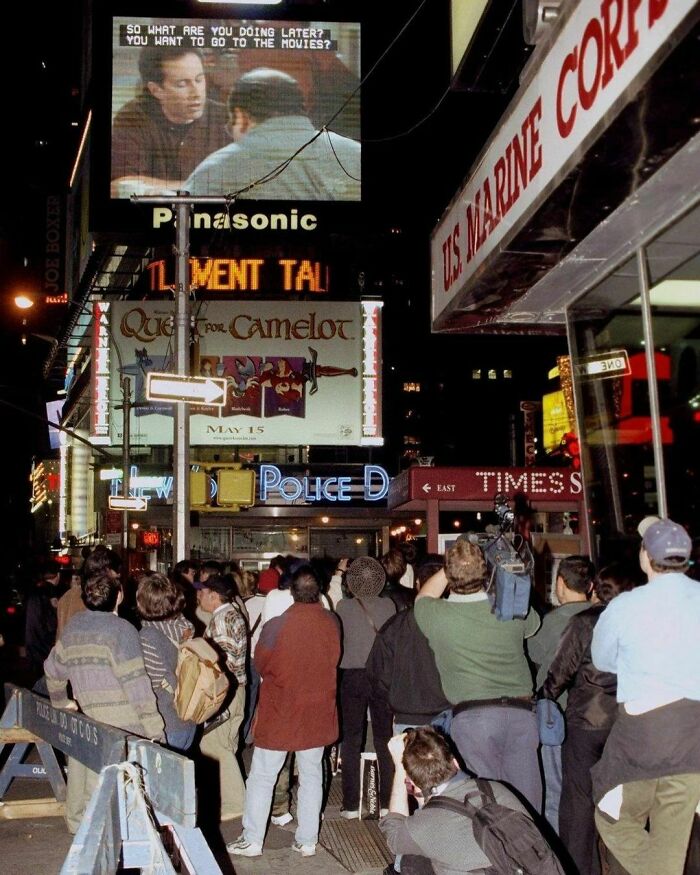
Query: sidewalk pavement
[{"x": 40, "y": 845}]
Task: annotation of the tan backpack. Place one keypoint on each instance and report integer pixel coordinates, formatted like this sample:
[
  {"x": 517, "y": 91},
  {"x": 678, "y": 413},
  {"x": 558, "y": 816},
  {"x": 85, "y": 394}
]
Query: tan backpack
[{"x": 202, "y": 684}]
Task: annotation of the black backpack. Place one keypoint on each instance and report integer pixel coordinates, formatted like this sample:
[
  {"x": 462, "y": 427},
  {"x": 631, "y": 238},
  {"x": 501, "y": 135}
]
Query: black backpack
[{"x": 507, "y": 837}]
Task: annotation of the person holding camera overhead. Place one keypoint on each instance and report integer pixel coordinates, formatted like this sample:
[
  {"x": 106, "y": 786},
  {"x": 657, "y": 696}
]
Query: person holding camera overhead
[{"x": 484, "y": 672}]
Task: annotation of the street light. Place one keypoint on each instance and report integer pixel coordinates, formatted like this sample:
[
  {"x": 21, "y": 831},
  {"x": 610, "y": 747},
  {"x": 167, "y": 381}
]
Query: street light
[{"x": 23, "y": 302}]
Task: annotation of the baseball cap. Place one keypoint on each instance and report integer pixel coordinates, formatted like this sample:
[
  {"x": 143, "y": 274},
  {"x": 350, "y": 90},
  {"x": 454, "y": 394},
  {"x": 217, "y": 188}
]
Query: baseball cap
[
  {"x": 664, "y": 540},
  {"x": 646, "y": 522},
  {"x": 267, "y": 581},
  {"x": 216, "y": 583},
  {"x": 365, "y": 577}
]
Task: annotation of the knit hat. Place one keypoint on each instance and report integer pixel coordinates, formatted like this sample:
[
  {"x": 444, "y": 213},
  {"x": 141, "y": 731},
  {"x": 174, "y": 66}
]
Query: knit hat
[
  {"x": 267, "y": 581},
  {"x": 665, "y": 540},
  {"x": 365, "y": 577}
]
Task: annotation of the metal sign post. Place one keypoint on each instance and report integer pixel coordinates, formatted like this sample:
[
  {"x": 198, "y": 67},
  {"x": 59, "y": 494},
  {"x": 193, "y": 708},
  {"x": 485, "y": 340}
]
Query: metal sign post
[
  {"x": 182, "y": 203},
  {"x": 181, "y": 437}
]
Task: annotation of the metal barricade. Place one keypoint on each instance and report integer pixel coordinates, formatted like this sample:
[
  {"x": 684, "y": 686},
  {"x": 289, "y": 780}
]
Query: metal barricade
[{"x": 146, "y": 793}]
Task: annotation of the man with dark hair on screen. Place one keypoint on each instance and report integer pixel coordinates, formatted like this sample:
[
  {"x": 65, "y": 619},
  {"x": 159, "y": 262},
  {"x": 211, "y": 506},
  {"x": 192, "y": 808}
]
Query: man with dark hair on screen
[
  {"x": 161, "y": 135},
  {"x": 269, "y": 124}
]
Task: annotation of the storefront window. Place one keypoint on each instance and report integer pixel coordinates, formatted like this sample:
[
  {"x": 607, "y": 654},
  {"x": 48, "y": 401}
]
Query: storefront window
[
  {"x": 609, "y": 363},
  {"x": 674, "y": 267},
  {"x": 615, "y": 412},
  {"x": 340, "y": 543}
]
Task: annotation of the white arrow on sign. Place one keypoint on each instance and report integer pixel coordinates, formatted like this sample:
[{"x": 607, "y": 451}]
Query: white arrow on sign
[
  {"x": 426, "y": 487},
  {"x": 120, "y": 502},
  {"x": 195, "y": 390},
  {"x": 603, "y": 365}
]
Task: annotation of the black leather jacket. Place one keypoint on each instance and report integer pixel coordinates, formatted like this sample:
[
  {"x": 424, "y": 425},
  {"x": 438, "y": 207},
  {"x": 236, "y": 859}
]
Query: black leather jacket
[{"x": 592, "y": 702}]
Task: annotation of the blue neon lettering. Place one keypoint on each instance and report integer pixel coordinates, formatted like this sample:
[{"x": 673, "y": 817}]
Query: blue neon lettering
[
  {"x": 376, "y": 485},
  {"x": 370, "y": 472},
  {"x": 344, "y": 485},
  {"x": 270, "y": 477}
]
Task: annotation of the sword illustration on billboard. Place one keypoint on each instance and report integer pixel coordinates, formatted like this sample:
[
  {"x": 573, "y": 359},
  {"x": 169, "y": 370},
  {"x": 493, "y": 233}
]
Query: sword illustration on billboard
[
  {"x": 277, "y": 381},
  {"x": 284, "y": 381}
]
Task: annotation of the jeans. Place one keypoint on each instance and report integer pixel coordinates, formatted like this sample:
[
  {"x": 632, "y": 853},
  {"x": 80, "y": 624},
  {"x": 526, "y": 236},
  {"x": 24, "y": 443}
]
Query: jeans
[
  {"x": 580, "y": 752},
  {"x": 181, "y": 740},
  {"x": 264, "y": 770},
  {"x": 501, "y": 743},
  {"x": 551, "y": 764},
  {"x": 356, "y": 695}
]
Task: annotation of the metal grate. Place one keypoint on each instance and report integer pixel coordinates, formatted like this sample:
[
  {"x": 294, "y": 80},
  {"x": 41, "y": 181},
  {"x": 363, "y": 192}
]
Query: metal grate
[
  {"x": 335, "y": 794},
  {"x": 357, "y": 844}
]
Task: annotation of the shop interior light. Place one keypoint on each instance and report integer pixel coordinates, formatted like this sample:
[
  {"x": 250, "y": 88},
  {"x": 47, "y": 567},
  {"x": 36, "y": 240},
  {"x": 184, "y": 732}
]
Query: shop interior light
[
  {"x": 325, "y": 519},
  {"x": 673, "y": 293}
]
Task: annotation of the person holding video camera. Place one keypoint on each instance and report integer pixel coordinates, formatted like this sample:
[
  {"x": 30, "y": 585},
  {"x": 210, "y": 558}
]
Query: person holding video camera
[{"x": 484, "y": 672}]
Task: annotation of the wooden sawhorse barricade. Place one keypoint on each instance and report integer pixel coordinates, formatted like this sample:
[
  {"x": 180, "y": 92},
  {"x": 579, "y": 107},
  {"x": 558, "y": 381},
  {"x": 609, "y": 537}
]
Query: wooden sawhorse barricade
[{"x": 144, "y": 808}]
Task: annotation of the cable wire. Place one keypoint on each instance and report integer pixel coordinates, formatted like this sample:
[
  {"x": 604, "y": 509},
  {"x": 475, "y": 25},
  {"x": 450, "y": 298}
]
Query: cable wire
[
  {"x": 276, "y": 171},
  {"x": 413, "y": 127}
]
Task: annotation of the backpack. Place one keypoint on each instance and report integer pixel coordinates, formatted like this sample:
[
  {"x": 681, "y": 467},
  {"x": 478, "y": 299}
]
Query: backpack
[
  {"x": 202, "y": 685},
  {"x": 509, "y": 838}
]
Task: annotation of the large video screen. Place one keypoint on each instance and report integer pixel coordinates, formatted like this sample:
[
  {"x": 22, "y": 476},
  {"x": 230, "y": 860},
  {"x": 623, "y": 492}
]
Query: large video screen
[{"x": 246, "y": 109}]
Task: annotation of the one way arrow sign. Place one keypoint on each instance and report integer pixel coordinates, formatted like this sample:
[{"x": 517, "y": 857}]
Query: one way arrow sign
[
  {"x": 194, "y": 390},
  {"x": 131, "y": 502}
]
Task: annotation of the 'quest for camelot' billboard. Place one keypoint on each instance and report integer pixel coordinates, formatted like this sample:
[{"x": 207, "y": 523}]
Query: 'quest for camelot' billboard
[{"x": 295, "y": 372}]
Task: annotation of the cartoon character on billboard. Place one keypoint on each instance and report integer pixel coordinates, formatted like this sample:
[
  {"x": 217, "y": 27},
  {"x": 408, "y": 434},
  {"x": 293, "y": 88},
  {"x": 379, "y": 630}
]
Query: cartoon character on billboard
[
  {"x": 243, "y": 388},
  {"x": 283, "y": 379},
  {"x": 144, "y": 364}
]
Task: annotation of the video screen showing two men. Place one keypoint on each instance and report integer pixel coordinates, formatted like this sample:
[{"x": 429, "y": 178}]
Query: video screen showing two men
[{"x": 259, "y": 110}]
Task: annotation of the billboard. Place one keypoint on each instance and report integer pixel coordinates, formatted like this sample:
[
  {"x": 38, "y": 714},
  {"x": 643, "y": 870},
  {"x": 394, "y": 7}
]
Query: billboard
[
  {"x": 222, "y": 107},
  {"x": 295, "y": 372}
]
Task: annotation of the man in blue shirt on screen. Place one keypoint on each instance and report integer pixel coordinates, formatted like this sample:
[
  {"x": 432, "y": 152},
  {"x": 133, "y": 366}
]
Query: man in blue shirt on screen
[{"x": 277, "y": 153}]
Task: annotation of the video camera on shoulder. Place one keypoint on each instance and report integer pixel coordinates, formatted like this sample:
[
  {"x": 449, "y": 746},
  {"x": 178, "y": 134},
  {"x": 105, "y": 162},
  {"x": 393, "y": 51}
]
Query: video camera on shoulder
[{"x": 511, "y": 564}]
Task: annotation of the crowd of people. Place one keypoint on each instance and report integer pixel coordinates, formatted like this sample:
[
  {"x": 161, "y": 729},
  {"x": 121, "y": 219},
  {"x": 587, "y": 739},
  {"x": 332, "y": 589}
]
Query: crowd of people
[{"x": 318, "y": 650}]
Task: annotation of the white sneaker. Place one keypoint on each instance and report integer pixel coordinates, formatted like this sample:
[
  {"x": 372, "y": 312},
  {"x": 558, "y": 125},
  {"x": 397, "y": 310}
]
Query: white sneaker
[
  {"x": 242, "y": 848},
  {"x": 350, "y": 815},
  {"x": 304, "y": 850},
  {"x": 282, "y": 820}
]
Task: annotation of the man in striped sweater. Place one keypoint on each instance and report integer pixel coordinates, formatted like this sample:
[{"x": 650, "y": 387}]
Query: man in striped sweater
[{"x": 99, "y": 654}]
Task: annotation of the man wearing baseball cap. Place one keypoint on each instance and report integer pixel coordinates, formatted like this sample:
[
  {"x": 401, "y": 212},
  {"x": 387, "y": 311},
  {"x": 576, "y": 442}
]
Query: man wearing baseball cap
[{"x": 650, "y": 768}]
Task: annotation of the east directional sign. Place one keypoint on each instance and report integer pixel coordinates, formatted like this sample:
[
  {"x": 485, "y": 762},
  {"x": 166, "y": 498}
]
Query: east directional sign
[
  {"x": 603, "y": 365},
  {"x": 120, "y": 502},
  {"x": 194, "y": 390}
]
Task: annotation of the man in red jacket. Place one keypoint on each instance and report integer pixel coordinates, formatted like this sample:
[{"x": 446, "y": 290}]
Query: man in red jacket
[{"x": 297, "y": 657}]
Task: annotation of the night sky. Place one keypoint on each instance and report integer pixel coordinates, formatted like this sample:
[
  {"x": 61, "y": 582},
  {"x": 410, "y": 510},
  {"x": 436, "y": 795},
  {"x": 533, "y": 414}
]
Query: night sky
[{"x": 408, "y": 179}]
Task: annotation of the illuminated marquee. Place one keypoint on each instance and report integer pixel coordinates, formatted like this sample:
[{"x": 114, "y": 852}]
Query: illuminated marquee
[
  {"x": 247, "y": 275},
  {"x": 99, "y": 394},
  {"x": 375, "y": 485},
  {"x": 371, "y": 376}
]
